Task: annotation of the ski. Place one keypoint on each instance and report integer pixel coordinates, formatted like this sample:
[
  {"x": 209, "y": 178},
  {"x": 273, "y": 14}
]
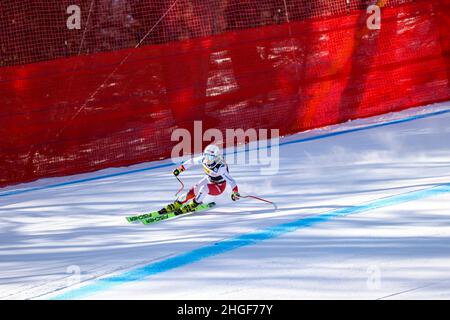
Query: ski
[
  {"x": 172, "y": 215},
  {"x": 138, "y": 218}
]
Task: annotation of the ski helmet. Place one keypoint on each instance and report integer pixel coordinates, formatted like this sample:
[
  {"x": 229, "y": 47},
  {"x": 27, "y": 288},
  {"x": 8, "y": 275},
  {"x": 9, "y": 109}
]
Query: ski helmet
[{"x": 211, "y": 154}]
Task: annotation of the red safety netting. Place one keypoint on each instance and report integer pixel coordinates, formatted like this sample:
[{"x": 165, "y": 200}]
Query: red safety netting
[
  {"x": 111, "y": 93},
  {"x": 33, "y": 31}
]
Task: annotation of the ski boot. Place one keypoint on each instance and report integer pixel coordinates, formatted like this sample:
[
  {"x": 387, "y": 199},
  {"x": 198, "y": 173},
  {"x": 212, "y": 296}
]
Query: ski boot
[
  {"x": 171, "y": 207},
  {"x": 190, "y": 207}
]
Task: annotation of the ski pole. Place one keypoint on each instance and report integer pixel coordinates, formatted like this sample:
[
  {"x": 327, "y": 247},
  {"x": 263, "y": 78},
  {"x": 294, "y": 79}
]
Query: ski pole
[
  {"x": 182, "y": 186},
  {"x": 261, "y": 199}
]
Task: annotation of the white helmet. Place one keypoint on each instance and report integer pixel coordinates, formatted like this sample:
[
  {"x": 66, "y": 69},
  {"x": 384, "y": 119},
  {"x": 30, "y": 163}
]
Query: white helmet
[{"x": 211, "y": 154}]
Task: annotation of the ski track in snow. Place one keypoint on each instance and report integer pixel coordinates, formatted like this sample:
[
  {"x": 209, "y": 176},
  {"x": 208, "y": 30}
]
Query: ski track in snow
[{"x": 78, "y": 222}]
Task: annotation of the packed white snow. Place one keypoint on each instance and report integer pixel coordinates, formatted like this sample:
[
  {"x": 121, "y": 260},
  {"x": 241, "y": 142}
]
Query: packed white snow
[{"x": 54, "y": 240}]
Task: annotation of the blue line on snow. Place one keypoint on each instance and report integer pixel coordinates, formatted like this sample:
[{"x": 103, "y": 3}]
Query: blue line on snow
[
  {"x": 62, "y": 184},
  {"x": 327, "y": 135},
  {"x": 243, "y": 240}
]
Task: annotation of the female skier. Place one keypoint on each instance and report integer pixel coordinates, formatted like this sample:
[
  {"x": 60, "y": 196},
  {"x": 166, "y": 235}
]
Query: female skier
[{"x": 214, "y": 183}]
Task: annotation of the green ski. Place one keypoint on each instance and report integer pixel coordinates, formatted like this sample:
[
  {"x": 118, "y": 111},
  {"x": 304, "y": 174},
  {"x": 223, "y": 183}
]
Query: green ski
[
  {"x": 138, "y": 218},
  {"x": 171, "y": 215}
]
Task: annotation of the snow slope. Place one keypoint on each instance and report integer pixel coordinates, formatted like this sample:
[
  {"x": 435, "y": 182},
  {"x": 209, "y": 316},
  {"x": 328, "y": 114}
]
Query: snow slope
[{"x": 364, "y": 212}]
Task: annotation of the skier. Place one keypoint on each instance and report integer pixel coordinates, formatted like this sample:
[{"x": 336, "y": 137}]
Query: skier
[{"x": 215, "y": 182}]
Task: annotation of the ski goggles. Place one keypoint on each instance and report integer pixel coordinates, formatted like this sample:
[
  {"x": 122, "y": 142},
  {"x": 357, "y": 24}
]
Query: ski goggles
[{"x": 210, "y": 157}]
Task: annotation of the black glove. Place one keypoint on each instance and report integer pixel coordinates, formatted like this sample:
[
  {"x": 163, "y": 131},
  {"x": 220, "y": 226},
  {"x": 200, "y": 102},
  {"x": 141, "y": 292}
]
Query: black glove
[
  {"x": 235, "y": 196},
  {"x": 178, "y": 170}
]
